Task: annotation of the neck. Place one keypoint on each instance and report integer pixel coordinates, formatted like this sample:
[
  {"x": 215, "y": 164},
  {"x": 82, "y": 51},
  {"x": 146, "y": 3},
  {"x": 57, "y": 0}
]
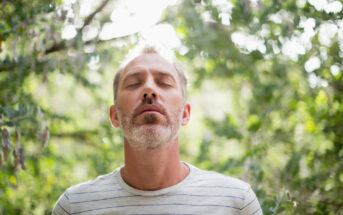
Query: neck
[{"x": 153, "y": 169}]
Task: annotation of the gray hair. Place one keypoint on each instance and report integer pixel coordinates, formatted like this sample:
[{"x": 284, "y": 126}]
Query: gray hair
[{"x": 151, "y": 49}]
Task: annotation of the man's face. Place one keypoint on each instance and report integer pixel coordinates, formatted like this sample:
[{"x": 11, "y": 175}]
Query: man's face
[{"x": 149, "y": 107}]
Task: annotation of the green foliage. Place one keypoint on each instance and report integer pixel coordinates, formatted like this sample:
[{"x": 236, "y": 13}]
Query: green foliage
[
  {"x": 258, "y": 113},
  {"x": 291, "y": 131},
  {"x": 13, "y": 118}
]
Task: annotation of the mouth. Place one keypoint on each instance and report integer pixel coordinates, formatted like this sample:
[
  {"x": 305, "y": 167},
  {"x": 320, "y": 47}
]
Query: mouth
[{"x": 149, "y": 109}]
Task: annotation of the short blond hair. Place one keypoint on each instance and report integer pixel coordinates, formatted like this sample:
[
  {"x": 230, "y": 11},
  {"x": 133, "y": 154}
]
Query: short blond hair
[{"x": 142, "y": 49}]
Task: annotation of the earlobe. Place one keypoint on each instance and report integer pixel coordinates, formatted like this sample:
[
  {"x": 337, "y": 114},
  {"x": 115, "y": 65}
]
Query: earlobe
[
  {"x": 186, "y": 114},
  {"x": 113, "y": 116}
]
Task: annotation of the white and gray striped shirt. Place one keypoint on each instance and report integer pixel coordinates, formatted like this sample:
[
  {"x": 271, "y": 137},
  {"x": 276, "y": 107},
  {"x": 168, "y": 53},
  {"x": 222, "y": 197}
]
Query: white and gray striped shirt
[{"x": 201, "y": 192}]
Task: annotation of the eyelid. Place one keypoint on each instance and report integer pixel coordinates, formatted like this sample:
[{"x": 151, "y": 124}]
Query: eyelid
[
  {"x": 132, "y": 84},
  {"x": 131, "y": 81},
  {"x": 167, "y": 80},
  {"x": 166, "y": 83}
]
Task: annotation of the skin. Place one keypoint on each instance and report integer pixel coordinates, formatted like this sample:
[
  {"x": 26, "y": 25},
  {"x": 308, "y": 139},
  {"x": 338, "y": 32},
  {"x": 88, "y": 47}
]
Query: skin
[{"x": 150, "y": 75}]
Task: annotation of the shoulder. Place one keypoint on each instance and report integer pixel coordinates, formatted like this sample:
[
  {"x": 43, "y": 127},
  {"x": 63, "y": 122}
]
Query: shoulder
[
  {"x": 83, "y": 192},
  {"x": 218, "y": 179},
  {"x": 241, "y": 194},
  {"x": 100, "y": 181}
]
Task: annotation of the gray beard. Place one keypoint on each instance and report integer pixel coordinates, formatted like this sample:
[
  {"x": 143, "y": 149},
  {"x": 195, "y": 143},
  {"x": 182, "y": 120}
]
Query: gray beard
[
  {"x": 151, "y": 135},
  {"x": 150, "y": 119}
]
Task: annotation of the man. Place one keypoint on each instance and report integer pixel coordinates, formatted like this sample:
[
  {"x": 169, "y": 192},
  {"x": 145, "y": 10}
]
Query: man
[{"x": 150, "y": 106}]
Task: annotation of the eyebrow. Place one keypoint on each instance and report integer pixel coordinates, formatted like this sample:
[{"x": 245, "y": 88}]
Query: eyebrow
[
  {"x": 166, "y": 74},
  {"x": 135, "y": 74}
]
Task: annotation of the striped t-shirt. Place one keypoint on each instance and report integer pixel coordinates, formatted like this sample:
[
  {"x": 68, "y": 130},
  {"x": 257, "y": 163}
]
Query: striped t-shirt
[{"x": 201, "y": 192}]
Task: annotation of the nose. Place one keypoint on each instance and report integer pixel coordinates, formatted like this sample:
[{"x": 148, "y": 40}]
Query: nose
[
  {"x": 150, "y": 90},
  {"x": 149, "y": 94},
  {"x": 149, "y": 97}
]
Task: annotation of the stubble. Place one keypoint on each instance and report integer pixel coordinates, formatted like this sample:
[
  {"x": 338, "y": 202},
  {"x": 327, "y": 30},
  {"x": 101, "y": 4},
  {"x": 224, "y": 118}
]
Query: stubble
[{"x": 155, "y": 132}]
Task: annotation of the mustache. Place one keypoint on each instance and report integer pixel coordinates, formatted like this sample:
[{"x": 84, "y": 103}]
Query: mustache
[{"x": 150, "y": 101}]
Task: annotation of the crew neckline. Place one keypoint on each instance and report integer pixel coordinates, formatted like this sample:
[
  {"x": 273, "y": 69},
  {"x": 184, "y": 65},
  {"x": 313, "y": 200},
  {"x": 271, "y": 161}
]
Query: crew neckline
[{"x": 162, "y": 191}]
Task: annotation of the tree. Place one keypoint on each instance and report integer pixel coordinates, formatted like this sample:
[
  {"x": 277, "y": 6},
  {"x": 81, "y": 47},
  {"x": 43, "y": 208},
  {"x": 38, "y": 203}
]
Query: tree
[
  {"x": 36, "y": 63},
  {"x": 266, "y": 87},
  {"x": 289, "y": 120}
]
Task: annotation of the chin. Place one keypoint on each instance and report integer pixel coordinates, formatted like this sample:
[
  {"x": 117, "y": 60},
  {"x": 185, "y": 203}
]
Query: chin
[
  {"x": 149, "y": 145},
  {"x": 151, "y": 137},
  {"x": 150, "y": 120}
]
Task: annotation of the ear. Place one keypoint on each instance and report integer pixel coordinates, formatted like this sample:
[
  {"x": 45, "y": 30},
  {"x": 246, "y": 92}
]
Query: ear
[
  {"x": 186, "y": 114},
  {"x": 114, "y": 116}
]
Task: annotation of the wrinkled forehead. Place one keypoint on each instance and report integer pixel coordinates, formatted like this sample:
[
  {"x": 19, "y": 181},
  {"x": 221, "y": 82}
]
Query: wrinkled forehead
[{"x": 149, "y": 63}]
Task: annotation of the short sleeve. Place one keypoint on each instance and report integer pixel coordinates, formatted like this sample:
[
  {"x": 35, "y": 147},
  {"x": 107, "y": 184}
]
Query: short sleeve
[
  {"x": 251, "y": 206},
  {"x": 62, "y": 206}
]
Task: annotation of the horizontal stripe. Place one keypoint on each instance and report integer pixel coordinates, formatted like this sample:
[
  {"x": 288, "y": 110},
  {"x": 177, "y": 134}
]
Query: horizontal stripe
[
  {"x": 218, "y": 180},
  {"x": 96, "y": 200},
  {"x": 66, "y": 196},
  {"x": 162, "y": 214},
  {"x": 63, "y": 208},
  {"x": 157, "y": 205},
  {"x": 235, "y": 188},
  {"x": 102, "y": 184},
  {"x": 248, "y": 203},
  {"x": 96, "y": 191},
  {"x": 192, "y": 195},
  {"x": 256, "y": 211},
  {"x": 202, "y": 192}
]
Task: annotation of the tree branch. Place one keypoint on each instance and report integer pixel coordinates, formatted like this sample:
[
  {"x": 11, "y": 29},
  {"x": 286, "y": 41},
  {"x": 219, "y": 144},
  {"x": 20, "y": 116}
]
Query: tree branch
[
  {"x": 91, "y": 16},
  {"x": 57, "y": 47},
  {"x": 62, "y": 45}
]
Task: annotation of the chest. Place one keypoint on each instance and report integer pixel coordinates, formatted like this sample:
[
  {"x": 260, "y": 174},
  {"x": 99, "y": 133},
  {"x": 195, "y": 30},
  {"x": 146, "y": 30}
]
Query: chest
[{"x": 176, "y": 203}]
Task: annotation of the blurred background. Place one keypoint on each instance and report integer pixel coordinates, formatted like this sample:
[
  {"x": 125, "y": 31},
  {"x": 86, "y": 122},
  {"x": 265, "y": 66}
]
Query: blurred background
[{"x": 265, "y": 85}]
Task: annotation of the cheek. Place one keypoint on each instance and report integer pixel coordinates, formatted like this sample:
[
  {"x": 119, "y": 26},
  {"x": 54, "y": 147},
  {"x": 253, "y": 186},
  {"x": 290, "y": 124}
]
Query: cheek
[
  {"x": 127, "y": 103},
  {"x": 173, "y": 100}
]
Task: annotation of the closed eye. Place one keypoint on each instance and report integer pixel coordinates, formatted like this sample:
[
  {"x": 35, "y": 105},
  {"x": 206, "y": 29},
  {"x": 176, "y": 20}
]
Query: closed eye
[
  {"x": 165, "y": 84},
  {"x": 133, "y": 84}
]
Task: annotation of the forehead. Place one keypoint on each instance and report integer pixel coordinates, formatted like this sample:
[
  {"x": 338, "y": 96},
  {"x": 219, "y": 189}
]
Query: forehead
[{"x": 149, "y": 62}]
